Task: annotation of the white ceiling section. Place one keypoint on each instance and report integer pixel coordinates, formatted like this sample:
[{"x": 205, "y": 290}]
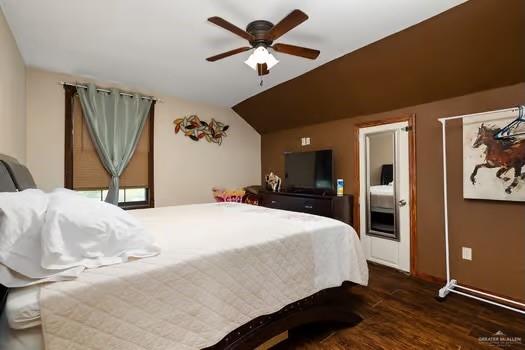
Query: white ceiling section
[{"x": 161, "y": 45}]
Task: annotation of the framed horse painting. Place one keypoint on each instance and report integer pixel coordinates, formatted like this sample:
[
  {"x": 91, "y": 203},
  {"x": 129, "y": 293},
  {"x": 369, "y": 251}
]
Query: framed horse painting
[{"x": 494, "y": 156}]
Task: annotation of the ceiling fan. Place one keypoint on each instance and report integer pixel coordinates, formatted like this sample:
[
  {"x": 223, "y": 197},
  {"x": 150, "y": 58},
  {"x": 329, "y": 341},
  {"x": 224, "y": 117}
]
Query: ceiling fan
[{"x": 261, "y": 35}]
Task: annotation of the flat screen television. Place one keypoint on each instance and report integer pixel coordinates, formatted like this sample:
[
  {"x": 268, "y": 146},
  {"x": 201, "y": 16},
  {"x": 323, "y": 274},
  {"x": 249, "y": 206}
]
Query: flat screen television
[{"x": 309, "y": 172}]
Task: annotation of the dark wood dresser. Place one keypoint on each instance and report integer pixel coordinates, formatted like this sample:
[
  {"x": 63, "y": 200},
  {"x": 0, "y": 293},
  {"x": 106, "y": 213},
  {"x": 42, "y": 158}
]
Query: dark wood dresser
[{"x": 332, "y": 206}]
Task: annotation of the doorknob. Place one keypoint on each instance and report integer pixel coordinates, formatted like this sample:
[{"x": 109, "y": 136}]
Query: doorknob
[{"x": 402, "y": 203}]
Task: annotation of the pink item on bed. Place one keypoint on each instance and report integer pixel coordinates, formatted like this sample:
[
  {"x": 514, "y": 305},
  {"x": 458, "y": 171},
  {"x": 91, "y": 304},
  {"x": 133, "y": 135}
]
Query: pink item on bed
[{"x": 226, "y": 195}]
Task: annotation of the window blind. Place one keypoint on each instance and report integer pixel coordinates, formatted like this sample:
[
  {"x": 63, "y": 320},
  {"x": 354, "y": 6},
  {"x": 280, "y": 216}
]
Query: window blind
[{"x": 88, "y": 171}]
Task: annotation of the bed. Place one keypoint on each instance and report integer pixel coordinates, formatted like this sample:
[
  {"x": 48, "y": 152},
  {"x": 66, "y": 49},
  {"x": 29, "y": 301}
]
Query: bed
[
  {"x": 230, "y": 276},
  {"x": 382, "y": 196}
]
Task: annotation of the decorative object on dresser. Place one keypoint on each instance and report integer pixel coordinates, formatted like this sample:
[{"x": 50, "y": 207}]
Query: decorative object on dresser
[
  {"x": 340, "y": 187},
  {"x": 273, "y": 182},
  {"x": 332, "y": 206},
  {"x": 196, "y": 129}
]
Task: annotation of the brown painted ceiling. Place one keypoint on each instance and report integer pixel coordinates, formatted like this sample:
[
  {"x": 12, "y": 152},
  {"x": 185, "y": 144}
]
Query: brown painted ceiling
[{"x": 476, "y": 46}]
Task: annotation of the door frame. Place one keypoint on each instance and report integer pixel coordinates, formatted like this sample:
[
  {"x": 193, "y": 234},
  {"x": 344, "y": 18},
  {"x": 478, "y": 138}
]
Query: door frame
[{"x": 411, "y": 119}]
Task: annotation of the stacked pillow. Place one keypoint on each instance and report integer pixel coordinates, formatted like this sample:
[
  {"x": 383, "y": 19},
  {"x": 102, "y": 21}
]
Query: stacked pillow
[{"x": 51, "y": 237}]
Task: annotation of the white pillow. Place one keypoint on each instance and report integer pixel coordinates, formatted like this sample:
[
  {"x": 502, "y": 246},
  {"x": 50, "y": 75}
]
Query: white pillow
[
  {"x": 22, "y": 216},
  {"x": 21, "y": 220},
  {"x": 23, "y": 307},
  {"x": 13, "y": 279},
  {"x": 79, "y": 231}
]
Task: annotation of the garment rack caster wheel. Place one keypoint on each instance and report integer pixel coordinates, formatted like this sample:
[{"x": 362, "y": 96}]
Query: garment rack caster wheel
[
  {"x": 443, "y": 292},
  {"x": 440, "y": 299}
]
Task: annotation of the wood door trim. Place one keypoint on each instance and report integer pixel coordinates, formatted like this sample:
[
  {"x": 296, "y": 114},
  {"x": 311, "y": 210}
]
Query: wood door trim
[
  {"x": 430, "y": 278},
  {"x": 411, "y": 119}
]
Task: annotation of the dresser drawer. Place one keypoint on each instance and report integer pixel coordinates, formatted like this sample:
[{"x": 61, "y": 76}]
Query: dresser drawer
[
  {"x": 305, "y": 205},
  {"x": 321, "y": 207},
  {"x": 331, "y": 206},
  {"x": 276, "y": 201}
]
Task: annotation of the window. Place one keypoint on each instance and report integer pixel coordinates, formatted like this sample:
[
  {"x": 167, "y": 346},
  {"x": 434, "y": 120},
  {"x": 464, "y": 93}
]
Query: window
[
  {"x": 128, "y": 197},
  {"x": 84, "y": 171}
]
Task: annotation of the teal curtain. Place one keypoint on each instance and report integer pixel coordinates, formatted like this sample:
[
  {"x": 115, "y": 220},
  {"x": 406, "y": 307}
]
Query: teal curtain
[{"x": 115, "y": 123}]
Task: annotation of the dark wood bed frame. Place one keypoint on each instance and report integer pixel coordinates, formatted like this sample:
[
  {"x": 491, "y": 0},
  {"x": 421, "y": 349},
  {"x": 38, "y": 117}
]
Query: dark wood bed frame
[{"x": 328, "y": 305}]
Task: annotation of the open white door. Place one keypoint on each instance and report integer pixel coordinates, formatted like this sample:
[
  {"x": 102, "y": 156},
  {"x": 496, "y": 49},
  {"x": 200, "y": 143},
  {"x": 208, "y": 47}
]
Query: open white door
[{"x": 385, "y": 194}]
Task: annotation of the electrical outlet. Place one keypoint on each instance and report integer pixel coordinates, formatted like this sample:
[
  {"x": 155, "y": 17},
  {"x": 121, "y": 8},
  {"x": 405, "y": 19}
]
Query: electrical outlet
[
  {"x": 307, "y": 140},
  {"x": 303, "y": 141},
  {"x": 466, "y": 253}
]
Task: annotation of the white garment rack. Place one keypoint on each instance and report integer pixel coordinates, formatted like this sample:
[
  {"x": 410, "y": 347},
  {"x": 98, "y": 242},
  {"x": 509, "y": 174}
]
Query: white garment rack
[{"x": 452, "y": 284}]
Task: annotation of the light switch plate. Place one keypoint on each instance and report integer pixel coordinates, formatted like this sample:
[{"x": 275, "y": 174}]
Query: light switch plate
[
  {"x": 307, "y": 140},
  {"x": 466, "y": 253}
]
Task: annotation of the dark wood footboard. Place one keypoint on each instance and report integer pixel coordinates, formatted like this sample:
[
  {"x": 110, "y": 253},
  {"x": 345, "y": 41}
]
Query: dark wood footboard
[{"x": 328, "y": 305}]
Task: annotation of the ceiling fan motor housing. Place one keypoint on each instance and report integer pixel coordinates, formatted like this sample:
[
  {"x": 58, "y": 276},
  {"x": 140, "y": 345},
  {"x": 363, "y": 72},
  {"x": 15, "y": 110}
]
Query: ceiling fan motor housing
[{"x": 259, "y": 29}]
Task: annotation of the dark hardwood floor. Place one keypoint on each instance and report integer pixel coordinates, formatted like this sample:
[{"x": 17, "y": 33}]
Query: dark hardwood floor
[{"x": 400, "y": 312}]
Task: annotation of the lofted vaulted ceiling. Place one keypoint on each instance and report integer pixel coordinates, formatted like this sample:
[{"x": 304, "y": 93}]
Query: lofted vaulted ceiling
[
  {"x": 161, "y": 45},
  {"x": 476, "y": 46}
]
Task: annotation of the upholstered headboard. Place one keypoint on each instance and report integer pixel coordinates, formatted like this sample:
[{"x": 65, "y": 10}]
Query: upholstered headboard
[
  {"x": 387, "y": 174},
  {"x": 20, "y": 175},
  {"x": 13, "y": 177},
  {"x": 6, "y": 181}
]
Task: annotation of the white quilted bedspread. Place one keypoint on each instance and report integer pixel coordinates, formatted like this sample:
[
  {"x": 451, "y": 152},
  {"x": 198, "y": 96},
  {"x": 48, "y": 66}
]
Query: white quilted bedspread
[{"x": 221, "y": 266}]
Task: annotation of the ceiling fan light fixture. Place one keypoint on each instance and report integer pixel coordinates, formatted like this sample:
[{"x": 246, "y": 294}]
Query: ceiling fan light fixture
[
  {"x": 261, "y": 36},
  {"x": 260, "y": 56},
  {"x": 271, "y": 61},
  {"x": 251, "y": 62}
]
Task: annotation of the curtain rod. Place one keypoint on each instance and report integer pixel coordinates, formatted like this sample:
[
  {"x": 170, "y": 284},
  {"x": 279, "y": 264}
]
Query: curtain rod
[{"x": 109, "y": 91}]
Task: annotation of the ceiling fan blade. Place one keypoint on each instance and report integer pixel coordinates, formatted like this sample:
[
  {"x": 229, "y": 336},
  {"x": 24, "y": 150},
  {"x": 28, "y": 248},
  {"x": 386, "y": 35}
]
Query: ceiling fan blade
[
  {"x": 262, "y": 69},
  {"x": 230, "y": 27},
  {"x": 228, "y": 53},
  {"x": 289, "y": 22},
  {"x": 297, "y": 51}
]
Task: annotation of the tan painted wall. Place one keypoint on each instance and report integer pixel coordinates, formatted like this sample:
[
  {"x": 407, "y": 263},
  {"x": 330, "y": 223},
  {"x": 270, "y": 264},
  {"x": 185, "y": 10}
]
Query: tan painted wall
[
  {"x": 494, "y": 230},
  {"x": 185, "y": 170},
  {"x": 12, "y": 95}
]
